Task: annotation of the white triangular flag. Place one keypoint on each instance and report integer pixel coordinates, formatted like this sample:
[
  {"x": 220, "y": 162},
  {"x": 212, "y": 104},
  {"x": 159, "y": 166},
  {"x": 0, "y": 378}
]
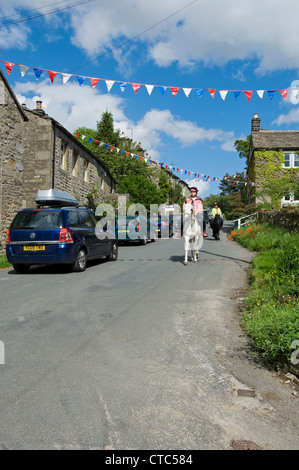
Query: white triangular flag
[
  {"x": 109, "y": 84},
  {"x": 187, "y": 91},
  {"x": 149, "y": 88},
  {"x": 223, "y": 94},
  {"x": 260, "y": 93},
  {"x": 65, "y": 77},
  {"x": 23, "y": 69}
]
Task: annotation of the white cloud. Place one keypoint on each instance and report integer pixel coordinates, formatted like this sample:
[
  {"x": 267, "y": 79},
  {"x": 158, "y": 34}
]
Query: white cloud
[
  {"x": 73, "y": 110},
  {"x": 212, "y": 32},
  {"x": 187, "y": 133},
  {"x": 67, "y": 106}
]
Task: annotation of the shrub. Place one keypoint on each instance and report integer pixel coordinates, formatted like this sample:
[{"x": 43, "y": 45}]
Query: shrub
[{"x": 271, "y": 315}]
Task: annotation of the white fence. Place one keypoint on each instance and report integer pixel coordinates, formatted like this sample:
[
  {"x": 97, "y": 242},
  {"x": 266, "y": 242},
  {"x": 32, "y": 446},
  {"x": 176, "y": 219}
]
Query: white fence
[{"x": 247, "y": 219}]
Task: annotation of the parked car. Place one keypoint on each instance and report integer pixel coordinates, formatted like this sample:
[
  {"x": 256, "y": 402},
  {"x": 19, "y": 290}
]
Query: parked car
[
  {"x": 163, "y": 226},
  {"x": 133, "y": 228},
  {"x": 57, "y": 231}
]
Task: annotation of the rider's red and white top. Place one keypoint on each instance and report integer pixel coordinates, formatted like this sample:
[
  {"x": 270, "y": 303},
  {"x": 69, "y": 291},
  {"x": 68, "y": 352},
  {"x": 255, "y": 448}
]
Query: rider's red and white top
[{"x": 197, "y": 204}]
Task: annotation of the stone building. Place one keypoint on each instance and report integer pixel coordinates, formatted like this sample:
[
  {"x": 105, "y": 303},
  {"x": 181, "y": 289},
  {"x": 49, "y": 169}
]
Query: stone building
[
  {"x": 39, "y": 153},
  {"x": 271, "y": 155}
]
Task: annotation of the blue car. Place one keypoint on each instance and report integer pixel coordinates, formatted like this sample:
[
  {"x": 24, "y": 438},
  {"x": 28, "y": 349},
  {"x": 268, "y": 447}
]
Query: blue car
[
  {"x": 134, "y": 228},
  {"x": 57, "y": 233}
]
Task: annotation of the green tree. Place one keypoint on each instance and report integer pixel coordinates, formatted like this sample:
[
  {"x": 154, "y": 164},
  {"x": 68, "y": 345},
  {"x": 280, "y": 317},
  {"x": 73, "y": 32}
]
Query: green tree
[
  {"x": 105, "y": 130},
  {"x": 164, "y": 186},
  {"x": 141, "y": 191},
  {"x": 242, "y": 147}
]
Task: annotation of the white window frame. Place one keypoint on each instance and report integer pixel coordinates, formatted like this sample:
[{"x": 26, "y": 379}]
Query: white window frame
[
  {"x": 86, "y": 166},
  {"x": 293, "y": 158},
  {"x": 75, "y": 164},
  {"x": 63, "y": 155}
]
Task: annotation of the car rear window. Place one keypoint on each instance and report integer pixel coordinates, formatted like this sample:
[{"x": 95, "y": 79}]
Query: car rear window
[{"x": 38, "y": 219}]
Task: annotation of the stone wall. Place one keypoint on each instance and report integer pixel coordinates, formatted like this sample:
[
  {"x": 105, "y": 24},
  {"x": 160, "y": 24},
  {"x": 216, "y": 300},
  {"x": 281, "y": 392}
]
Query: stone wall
[
  {"x": 286, "y": 218},
  {"x": 12, "y": 160},
  {"x": 77, "y": 171}
]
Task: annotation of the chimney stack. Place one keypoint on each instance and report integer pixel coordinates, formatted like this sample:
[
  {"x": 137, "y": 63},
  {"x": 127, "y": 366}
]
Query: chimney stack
[
  {"x": 39, "y": 108},
  {"x": 255, "y": 123}
]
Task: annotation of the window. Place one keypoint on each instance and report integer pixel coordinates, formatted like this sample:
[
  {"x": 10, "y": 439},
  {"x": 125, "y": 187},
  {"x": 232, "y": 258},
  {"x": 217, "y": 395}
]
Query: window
[
  {"x": 86, "y": 219},
  {"x": 75, "y": 168},
  {"x": 63, "y": 155},
  {"x": 291, "y": 160},
  {"x": 86, "y": 171},
  {"x": 74, "y": 220}
]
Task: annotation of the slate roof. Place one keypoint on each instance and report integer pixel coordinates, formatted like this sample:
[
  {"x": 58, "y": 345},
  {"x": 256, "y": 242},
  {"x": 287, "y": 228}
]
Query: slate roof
[{"x": 284, "y": 140}]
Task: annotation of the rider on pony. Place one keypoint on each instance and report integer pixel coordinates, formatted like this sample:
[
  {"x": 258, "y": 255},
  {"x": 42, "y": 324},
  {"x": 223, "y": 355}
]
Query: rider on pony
[
  {"x": 197, "y": 206},
  {"x": 216, "y": 211}
]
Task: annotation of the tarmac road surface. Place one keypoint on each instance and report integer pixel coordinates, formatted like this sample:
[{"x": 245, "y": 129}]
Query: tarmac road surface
[{"x": 139, "y": 354}]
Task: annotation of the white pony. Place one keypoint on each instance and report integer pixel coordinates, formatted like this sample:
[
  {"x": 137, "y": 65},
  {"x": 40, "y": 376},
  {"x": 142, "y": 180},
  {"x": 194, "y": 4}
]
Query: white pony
[{"x": 192, "y": 233}]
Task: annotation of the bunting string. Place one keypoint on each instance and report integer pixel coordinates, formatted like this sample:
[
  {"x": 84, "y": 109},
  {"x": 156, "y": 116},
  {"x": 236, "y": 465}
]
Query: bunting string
[
  {"x": 136, "y": 86},
  {"x": 197, "y": 177}
]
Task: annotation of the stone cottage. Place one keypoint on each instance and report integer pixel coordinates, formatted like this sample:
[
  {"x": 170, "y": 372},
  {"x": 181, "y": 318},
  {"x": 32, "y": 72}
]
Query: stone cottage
[
  {"x": 39, "y": 153},
  {"x": 272, "y": 154}
]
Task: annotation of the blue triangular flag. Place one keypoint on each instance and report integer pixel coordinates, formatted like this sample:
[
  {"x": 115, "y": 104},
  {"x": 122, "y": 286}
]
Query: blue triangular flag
[
  {"x": 162, "y": 89},
  {"x": 199, "y": 92},
  {"x": 38, "y": 73},
  {"x": 123, "y": 86},
  {"x": 271, "y": 94},
  {"x": 80, "y": 80},
  {"x": 90, "y": 140},
  {"x": 236, "y": 94}
]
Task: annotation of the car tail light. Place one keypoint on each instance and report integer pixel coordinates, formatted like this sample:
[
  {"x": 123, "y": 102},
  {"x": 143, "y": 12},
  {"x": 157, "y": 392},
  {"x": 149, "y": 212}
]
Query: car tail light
[
  {"x": 8, "y": 236},
  {"x": 138, "y": 227},
  {"x": 65, "y": 236}
]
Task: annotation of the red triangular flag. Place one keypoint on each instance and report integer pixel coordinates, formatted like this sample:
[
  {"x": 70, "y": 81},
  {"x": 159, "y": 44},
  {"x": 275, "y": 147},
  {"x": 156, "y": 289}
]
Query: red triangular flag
[
  {"x": 96, "y": 142},
  {"x": 8, "y": 66},
  {"x": 212, "y": 92},
  {"x": 94, "y": 81},
  {"x": 77, "y": 134},
  {"x": 174, "y": 90},
  {"x": 135, "y": 86},
  {"x": 284, "y": 93},
  {"x": 248, "y": 94},
  {"x": 52, "y": 75}
]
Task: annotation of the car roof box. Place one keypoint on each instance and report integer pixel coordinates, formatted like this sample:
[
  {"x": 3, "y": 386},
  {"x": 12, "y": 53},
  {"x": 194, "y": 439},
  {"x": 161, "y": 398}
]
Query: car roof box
[{"x": 52, "y": 197}]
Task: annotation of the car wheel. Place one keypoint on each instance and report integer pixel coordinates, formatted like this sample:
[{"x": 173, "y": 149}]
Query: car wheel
[
  {"x": 144, "y": 240},
  {"x": 81, "y": 261},
  {"x": 113, "y": 253},
  {"x": 21, "y": 268}
]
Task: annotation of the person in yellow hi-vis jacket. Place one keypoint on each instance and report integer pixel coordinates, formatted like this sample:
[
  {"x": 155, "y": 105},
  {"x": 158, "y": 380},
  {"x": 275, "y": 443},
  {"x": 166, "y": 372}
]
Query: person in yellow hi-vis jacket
[{"x": 217, "y": 221}]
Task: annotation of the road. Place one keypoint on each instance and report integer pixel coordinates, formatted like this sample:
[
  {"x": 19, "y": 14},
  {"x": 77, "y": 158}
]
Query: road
[{"x": 142, "y": 353}]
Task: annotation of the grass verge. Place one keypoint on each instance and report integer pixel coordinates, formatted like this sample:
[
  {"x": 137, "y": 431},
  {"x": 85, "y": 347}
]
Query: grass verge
[
  {"x": 271, "y": 314},
  {"x": 3, "y": 262}
]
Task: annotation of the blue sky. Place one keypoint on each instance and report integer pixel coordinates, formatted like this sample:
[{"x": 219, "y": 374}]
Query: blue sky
[{"x": 223, "y": 45}]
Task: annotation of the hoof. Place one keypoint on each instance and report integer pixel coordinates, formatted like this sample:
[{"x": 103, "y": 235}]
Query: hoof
[{"x": 185, "y": 263}]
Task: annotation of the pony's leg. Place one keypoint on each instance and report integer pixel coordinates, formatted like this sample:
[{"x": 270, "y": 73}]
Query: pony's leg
[{"x": 186, "y": 253}]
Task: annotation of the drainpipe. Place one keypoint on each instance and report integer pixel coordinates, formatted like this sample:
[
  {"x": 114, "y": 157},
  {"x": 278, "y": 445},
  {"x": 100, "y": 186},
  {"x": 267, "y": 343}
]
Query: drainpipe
[{"x": 53, "y": 157}]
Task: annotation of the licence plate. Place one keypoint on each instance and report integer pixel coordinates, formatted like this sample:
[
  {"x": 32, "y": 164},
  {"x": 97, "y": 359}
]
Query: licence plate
[
  {"x": 34, "y": 248},
  {"x": 123, "y": 230}
]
